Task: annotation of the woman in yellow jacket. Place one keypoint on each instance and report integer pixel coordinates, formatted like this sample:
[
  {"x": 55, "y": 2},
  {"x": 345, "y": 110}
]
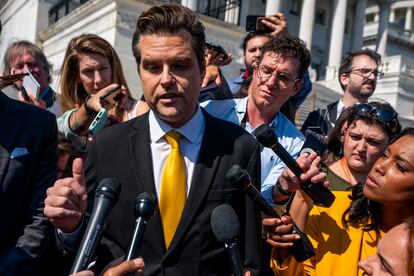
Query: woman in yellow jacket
[{"x": 350, "y": 229}]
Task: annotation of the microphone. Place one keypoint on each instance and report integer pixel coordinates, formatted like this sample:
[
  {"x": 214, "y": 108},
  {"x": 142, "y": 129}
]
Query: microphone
[
  {"x": 226, "y": 228},
  {"x": 106, "y": 195},
  {"x": 301, "y": 249},
  {"x": 318, "y": 193},
  {"x": 145, "y": 206}
]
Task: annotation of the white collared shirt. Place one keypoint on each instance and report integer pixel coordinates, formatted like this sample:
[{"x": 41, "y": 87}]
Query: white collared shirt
[
  {"x": 189, "y": 146},
  {"x": 341, "y": 106}
]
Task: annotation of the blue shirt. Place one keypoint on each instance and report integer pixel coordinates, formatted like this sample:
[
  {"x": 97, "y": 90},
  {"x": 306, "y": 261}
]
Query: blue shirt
[
  {"x": 235, "y": 84},
  {"x": 234, "y": 110}
]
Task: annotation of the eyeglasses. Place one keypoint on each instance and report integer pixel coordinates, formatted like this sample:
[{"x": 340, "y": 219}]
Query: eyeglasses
[
  {"x": 384, "y": 114},
  {"x": 366, "y": 72},
  {"x": 283, "y": 80}
]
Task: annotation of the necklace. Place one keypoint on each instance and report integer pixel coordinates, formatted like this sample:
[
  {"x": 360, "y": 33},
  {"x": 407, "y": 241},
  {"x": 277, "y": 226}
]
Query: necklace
[{"x": 346, "y": 171}]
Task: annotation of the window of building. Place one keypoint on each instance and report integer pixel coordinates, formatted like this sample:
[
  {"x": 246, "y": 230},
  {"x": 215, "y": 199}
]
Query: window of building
[
  {"x": 295, "y": 7},
  {"x": 347, "y": 26},
  {"x": 320, "y": 16},
  {"x": 370, "y": 18},
  {"x": 62, "y": 8},
  {"x": 217, "y": 8}
]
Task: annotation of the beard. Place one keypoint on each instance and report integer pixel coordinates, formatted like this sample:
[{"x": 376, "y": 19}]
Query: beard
[{"x": 360, "y": 92}]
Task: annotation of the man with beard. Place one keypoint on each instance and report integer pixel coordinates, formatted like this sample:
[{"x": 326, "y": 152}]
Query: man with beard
[{"x": 358, "y": 76}]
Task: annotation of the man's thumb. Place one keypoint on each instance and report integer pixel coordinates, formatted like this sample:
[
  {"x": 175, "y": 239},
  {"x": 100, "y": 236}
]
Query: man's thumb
[{"x": 78, "y": 171}]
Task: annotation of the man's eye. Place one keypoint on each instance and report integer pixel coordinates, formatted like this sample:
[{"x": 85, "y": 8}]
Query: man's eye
[
  {"x": 285, "y": 78},
  {"x": 365, "y": 70},
  {"x": 152, "y": 69}
]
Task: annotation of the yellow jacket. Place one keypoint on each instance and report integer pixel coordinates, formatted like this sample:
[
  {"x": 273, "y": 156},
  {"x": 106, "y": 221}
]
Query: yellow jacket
[{"x": 338, "y": 250}]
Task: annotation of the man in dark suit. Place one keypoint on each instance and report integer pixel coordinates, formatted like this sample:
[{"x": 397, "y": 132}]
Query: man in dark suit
[
  {"x": 168, "y": 45},
  {"x": 28, "y": 160},
  {"x": 357, "y": 74}
]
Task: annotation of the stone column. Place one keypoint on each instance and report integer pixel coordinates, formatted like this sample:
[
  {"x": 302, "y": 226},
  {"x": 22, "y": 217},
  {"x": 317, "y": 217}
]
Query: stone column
[
  {"x": 232, "y": 12},
  {"x": 382, "y": 36},
  {"x": 191, "y": 4},
  {"x": 392, "y": 16},
  {"x": 307, "y": 19},
  {"x": 273, "y": 6},
  {"x": 409, "y": 19},
  {"x": 337, "y": 33},
  {"x": 359, "y": 24}
]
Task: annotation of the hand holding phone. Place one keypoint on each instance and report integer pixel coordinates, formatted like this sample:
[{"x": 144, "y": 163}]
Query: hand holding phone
[
  {"x": 112, "y": 96},
  {"x": 217, "y": 48},
  {"x": 31, "y": 84}
]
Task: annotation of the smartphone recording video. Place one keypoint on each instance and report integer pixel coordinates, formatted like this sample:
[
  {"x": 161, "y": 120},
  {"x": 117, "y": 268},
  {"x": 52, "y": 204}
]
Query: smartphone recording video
[
  {"x": 112, "y": 96},
  {"x": 254, "y": 23}
]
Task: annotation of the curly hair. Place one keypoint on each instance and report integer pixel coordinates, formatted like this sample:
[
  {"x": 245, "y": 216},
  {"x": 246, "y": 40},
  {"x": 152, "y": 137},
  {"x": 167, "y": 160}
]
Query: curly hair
[
  {"x": 289, "y": 46},
  {"x": 362, "y": 211},
  {"x": 349, "y": 117}
]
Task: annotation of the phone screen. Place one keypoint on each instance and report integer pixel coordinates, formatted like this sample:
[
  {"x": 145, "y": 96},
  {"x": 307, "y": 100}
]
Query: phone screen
[{"x": 31, "y": 84}]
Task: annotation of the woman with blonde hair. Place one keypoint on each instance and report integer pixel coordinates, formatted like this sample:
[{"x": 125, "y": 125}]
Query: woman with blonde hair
[{"x": 90, "y": 69}]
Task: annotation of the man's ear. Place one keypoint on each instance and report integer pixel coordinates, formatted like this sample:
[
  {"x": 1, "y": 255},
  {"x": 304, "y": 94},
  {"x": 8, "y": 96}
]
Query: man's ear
[
  {"x": 343, "y": 79},
  {"x": 297, "y": 87}
]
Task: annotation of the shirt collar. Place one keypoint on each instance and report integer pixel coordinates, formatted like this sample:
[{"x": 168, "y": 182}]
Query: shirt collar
[
  {"x": 192, "y": 130},
  {"x": 241, "y": 110}
]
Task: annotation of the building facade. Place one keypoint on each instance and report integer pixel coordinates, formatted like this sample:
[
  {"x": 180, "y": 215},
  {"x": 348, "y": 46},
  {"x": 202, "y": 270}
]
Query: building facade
[{"x": 331, "y": 28}]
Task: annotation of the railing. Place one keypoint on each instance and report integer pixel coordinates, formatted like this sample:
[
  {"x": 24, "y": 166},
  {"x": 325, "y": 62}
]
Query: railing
[
  {"x": 219, "y": 8},
  {"x": 62, "y": 8}
]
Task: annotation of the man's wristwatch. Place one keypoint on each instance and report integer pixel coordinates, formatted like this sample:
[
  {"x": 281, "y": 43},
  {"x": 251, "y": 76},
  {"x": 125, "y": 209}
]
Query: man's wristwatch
[{"x": 281, "y": 190}]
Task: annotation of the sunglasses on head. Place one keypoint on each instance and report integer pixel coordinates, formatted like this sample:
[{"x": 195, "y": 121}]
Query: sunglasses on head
[{"x": 384, "y": 114}]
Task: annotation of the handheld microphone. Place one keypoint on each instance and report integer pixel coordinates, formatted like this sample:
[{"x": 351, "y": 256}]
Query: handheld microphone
[
  {"x": 301, "y": 249},
  {"x": 145, "y": 206},
  {"x": 317, "y": 192},
  {"x": 226, "y": 228},
  {"x": 105, "y": 196}
]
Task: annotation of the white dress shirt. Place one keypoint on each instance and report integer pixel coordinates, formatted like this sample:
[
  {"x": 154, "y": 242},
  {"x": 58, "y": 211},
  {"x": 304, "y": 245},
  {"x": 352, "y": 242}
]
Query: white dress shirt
[{"x": 190, "y": 143}]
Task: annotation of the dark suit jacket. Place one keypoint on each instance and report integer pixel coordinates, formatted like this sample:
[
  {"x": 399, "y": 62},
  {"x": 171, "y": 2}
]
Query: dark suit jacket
[
  {"x": 23, "y": 182},
  {"x": 123, "y": 151},
  {"x": 324, "y": 118}
]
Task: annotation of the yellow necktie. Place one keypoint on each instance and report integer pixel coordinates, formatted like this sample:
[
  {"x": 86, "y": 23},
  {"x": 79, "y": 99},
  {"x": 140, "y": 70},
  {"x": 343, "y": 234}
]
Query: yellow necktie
[{"x": 173, "y": 188}]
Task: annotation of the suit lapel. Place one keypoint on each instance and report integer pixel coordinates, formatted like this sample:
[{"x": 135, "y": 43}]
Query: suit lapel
[
  {"x": 10, "y": 123},
  {"x": 139, "y": 143},
  {"x": 204, "y": 171}
]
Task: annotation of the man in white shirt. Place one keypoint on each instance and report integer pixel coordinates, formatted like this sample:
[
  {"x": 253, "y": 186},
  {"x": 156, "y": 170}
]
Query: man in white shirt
[{"x": 357, "y": 74}]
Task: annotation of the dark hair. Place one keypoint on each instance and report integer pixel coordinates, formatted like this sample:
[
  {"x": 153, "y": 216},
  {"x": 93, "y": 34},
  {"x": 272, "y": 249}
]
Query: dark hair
[
  {"x": 362, "y": 211},
  {"x": 18, "y": 48},
  {"x": 289, "y": 46},
  {"x": 170, "y": 19},
  {"x": 350, "y": 117},
  {"x": 252, "y": 35},
  {"x": 346, "y": 65}
]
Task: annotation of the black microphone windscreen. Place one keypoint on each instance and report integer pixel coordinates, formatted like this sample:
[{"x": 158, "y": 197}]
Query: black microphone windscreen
[
  {"x": 225, "y": 223},
  {"x": 145, "y": 205},
  {"x": 109, "y": 187},
  {"x": 238, "y": 176},
  {"x": 266, "y": 136}
]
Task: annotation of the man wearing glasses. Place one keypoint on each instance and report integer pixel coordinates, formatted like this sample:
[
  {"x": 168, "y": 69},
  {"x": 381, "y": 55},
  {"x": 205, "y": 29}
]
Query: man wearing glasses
[
  {"x": 358, "y": 76},
  {"x": 277, "y": 77}
]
